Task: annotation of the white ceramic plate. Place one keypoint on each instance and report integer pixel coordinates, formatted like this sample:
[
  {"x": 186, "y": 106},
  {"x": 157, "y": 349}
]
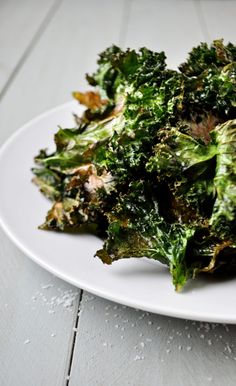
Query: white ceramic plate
[{"x": 134, "y": 282}]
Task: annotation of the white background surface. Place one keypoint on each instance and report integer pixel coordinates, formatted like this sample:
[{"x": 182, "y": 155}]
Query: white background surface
[{"x": 46, "y": 47}]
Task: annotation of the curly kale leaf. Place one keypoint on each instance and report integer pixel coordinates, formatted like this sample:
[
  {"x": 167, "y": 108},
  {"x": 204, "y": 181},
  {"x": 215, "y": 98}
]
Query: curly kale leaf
[
  {"x": 151, "y": 161},
  {"x": 74, "y": 148},
  {"x": 136, "y": 229},
  {"x": 212, "y": 92},
  {"x": 223, "y": 219},
  {"x": 118, "y": 69},
  {"x": 145, "y": 111},
  {"x": 176, "y": 152},
  {"x": 48, "y": 181},
  {"x": 83, "y": 199},
  {"x": 185, "y": 166},
  {"x": 203, "y": 57}
]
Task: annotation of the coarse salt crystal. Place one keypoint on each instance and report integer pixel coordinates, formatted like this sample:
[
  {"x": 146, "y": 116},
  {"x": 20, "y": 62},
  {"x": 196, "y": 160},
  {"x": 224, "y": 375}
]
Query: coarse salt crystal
[
  {"x": 138, "y": 358},
  {"x": 68, "y": 303},
  {"x": 226, "y": 327},
  {"x": 46, "y": 286},
  {"x": 228, "y": 348}
]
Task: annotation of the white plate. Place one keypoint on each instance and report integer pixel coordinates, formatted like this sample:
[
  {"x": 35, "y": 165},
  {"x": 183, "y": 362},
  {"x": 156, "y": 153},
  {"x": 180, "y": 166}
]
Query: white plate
[{"x": 134, "y": 282}]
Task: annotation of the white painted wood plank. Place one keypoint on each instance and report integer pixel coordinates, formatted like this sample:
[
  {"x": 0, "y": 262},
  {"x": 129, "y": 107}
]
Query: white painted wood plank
[
  {"x": 30, "y": 354},
  {"x": 38, "y": 313},
  {"x": 117, "y": 345},
  {"x": 172, "y": 26},
  {"x": 101, "y": 356},
  {"x": 219, "y": 18},
  {"x": 66, "y": 51},
  {"x": 19, "y": 22}
]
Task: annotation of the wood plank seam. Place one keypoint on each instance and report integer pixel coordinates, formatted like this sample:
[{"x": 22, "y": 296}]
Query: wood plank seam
[
  {"x": 122, "y": 39},
  {"x": 202, "y": 20},
  {"x": 42, "y": 27},
  {"x": 127, "y": 6},
  {"x": 75, "y": 328}
]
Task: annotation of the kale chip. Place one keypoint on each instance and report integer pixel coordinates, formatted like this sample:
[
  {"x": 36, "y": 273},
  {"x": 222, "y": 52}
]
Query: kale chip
[{"x": 151, "y": 163}]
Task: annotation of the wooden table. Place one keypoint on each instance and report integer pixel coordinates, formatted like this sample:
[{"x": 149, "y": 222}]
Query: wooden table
[{"x": 50, "y": 332}]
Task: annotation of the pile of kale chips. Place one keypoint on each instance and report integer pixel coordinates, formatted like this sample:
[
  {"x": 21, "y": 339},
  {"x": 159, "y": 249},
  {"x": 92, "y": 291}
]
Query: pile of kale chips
[{"x": 151, "y": 164}]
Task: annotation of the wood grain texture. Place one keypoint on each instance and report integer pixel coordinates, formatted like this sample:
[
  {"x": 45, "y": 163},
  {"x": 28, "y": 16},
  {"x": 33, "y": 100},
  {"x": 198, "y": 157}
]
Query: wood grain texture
[
  {"x": 38, "y": 312},
  {"x": 67, "y": 49},
  {"x": 114, "y": 345},
  {"x": 170, "y": 26},
  {"x": 36, "y": 330},
  {"x": 117, "y": 345},
  {"x": 18, "y": 27}
]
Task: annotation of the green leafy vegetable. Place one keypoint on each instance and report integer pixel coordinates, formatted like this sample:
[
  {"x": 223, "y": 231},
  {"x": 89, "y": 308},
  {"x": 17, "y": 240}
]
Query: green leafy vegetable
[{"x": 151, "y": 163}]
